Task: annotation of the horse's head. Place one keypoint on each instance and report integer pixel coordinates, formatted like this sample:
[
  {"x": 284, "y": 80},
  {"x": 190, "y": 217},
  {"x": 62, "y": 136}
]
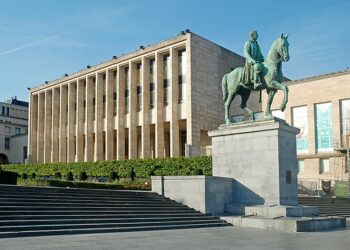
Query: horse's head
[{"x": 283, "y": 47}]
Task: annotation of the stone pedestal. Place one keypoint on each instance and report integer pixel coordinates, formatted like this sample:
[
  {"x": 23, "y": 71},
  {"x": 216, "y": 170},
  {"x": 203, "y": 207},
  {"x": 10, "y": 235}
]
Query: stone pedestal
[
  {"x": 254, "y": 182},
  {"x": 261, "y": 158}
]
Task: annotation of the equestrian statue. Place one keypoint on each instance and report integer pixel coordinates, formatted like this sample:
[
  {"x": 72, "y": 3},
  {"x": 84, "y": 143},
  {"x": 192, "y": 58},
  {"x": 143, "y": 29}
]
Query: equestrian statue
[{"x": 257, "y": 74}]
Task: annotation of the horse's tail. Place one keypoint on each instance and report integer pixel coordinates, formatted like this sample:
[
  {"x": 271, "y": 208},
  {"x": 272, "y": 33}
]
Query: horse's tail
[{"x": 224, "y": 88}]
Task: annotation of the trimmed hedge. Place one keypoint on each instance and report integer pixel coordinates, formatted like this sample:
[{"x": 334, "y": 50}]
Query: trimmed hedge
[{"x": 143, "y": 168}]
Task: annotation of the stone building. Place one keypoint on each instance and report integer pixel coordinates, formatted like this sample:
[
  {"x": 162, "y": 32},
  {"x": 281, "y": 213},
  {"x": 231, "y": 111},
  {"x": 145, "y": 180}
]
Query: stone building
[
  {"x": 158, "y": 101},
  {"x": 13, "y": 131},
  {"x": 320, "y": 107}
]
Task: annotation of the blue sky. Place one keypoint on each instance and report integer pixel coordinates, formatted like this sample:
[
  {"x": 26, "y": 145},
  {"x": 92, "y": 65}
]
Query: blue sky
[{"x": 42, "y": 40}]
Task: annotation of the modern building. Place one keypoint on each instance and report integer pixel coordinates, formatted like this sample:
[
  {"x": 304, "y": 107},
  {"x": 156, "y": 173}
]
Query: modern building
[
  {"x": 320, "y": 107},
  {"x": 161, "y": 101},
  {"x": 13, "y": 131},
  {"x": 158, "y": 101}
]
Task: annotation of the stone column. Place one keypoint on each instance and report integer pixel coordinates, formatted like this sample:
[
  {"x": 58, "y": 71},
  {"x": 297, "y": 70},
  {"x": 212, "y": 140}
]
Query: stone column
[
  {"x": 89, "y": 146},
  {"x": 145, "y": 129},
  {"x": 159, "y": 126},
  {"x": 99, "y": 117},
  {"x": 55, "y": 125},
  {"x": 121, "y": 113},
  {"x": 80, "y": 120},
  {"x": 63, "y": 123},
  {"x": 132, "y": 112},
  {"x": 33, "y": 133},
  {"x": 41, "y": 127},
  {"x": 48, "y": 126},
  {"x": 72, "y": 88},
  {"x": 174, "y": 105},
  {"x": 109, "y": 115}
]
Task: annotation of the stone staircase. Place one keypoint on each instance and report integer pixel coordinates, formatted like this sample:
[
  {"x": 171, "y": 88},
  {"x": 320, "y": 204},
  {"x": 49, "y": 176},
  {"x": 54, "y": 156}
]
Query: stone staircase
[
  {"x": 37, "y": 211},
  {"x": 328, "y": 206}
]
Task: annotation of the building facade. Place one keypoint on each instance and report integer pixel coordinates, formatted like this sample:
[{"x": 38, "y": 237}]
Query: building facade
[
  {"x": 158, "y": 101},
  {"x": 320, "y": 107},
  {"x": 13, "y": 131}
]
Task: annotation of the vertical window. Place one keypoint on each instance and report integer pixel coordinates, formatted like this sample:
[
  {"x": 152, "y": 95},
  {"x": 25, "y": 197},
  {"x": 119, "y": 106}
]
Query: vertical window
[
  {"x": 301, "y": 166},
  {"x": 115, "y": 103},
  {"x": 127, "y": 99},
  {"x": 345, "y": 123},
  {"x": 94, "y": 98},
  {"x": 17, "y": 131},
  {"x": 7, "y": 143},
  {"x": 104, "y": 85},
  {"x": 138, "y": 88},
  {"x": 84, "y": 101},
  {"x": 7, "y": 111},
  {"x": 3, "y": 110},
  {"x": 324, "y": 166},
  {"x": 324, "y": 127},
  {"x": 182, "y": 74},
  {"x": 299, "y": 120},
  {"x": 166, "y": 78},
  {"x": 152, "y": 81},
  {"x": 139, "y": 98}
]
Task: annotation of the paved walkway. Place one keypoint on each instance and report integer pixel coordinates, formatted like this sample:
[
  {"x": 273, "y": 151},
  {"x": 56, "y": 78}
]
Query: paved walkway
[{"x": 202, "y": 239}]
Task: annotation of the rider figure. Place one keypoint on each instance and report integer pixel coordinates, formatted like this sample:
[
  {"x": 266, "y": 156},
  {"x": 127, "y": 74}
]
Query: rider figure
[{"x": 254, "y": 58}]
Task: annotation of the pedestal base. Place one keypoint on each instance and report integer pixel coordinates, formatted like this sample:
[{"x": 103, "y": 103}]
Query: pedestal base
[{"x": 288, "y": 224}]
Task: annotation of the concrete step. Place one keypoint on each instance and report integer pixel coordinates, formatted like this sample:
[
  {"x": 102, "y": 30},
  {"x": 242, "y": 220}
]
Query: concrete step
[
  {"x": 42, "y": 221},
  {"x": 134, "y": 204},
  {"x": 92, "y": 216},
  {"x": 107, "y": 230},
  {"x": 29, "y": 211},
  {"x": 93, "y": 211}
]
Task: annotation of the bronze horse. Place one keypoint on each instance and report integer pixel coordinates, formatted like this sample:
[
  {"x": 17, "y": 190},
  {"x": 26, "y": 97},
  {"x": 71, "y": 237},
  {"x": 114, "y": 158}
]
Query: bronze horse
[{"x": 271, "y": 77}]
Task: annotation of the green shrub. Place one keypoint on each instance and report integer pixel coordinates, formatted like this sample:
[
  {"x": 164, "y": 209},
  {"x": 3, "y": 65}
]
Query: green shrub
[
  {"x": 69, "y": 176},
  {"x": 58, "y": 175},
  {"x": 113, "y": 176},
  {"x": 143, "y": 168},
  {"x": 24, "y": 176},
  {"x": 83, "y": 176},
  {"x": 33, "y": 175},
  {"x": 131, "y": 174},
  {"x": 197, "y": 171}
]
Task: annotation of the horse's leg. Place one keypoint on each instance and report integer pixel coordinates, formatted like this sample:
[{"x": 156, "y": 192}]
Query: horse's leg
[
  {"x": 278, "y": 86},
  {"x": 245, "y": 96},
  {"x": 228, "y": 102},
  {"x": 271, "y": 95}
]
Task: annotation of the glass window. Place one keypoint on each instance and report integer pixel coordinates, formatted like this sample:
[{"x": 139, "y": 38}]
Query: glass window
[
  {"x": 17, "y": 131},
  {"x": 324, "y": 127},
  {"x": 115, "y": 102},
  {"x": 7, "y": 143},
  {"x": 7, "y": 129},
  {"x": 301, "y": 166},
  {"x": 127, "y": 99},
  {"x": 153, "y": 95},
  {"x": 166, "y": 78},
  {"x": 299, "y": 120},
  {"x": 139, "y": 98},
  {"x": 3, "y": 110},
  {"x": 182, "y": 74},
  {"x": 345, "y": 123},
  {"x": 8, "y": 111},
  {"x": 324, "y": 165}
]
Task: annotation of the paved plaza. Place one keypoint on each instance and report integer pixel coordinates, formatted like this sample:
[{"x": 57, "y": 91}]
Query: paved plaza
[{"x": 205, "y": 238}]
